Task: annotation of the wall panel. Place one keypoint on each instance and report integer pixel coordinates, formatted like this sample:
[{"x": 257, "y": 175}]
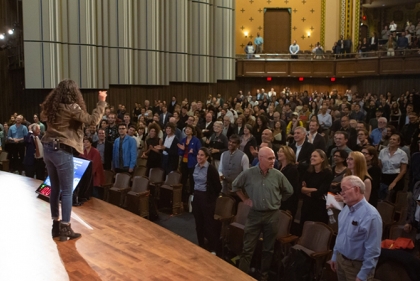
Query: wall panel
[{"x": 149, "y": 42}]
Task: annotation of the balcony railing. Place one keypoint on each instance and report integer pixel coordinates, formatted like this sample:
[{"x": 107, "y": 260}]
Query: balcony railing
[{"x": 404, "y": 61}]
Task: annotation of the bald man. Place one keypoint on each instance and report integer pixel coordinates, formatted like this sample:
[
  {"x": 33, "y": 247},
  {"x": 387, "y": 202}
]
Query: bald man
[{"x": 265, "y": 188}]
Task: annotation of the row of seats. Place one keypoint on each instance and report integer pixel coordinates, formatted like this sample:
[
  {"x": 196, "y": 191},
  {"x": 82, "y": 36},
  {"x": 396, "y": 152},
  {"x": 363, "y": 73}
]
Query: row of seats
[
  {"x": 143, "y": 195},
  {"x": 315, "y": 240}
]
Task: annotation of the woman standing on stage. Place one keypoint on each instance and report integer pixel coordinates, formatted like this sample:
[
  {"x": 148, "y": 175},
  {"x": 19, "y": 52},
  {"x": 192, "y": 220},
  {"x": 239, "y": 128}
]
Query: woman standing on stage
[
  {"x": 64, "y": 110},
  {"x": 207, "y": 187}
]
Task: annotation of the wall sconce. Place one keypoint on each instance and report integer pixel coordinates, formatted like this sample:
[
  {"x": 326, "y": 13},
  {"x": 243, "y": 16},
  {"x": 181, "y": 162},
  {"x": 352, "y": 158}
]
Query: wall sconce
[
  {"x": 246, "y": 34},
  {"x": 309, "y": 35}
]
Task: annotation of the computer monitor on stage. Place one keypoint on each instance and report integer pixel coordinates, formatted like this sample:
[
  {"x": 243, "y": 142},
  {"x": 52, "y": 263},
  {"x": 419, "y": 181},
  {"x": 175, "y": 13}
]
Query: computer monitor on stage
[{"x": 82, "y": 173}]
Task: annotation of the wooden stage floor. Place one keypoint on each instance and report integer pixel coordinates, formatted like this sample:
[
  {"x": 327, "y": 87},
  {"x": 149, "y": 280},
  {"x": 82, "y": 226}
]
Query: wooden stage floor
[{"x": 115, "y": 244}]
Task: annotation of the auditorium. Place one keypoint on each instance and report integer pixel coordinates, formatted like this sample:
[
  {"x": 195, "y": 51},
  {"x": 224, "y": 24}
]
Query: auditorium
[{"x": 210, "y": 140}]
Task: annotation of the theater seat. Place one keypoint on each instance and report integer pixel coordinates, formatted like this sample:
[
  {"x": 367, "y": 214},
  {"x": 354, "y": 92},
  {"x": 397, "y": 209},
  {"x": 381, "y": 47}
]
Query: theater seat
[
  {"x": 137, "y": 199},
  {"x": 119, "y": 189},
  {"x": 171, "y": 192},
  {"x": 235, "y": 232},
  {"x": 315, "y": 241}
]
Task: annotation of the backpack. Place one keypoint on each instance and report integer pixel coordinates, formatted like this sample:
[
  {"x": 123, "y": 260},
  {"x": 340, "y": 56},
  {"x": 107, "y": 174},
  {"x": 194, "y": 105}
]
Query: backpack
[{"x": 297, "y": 266}]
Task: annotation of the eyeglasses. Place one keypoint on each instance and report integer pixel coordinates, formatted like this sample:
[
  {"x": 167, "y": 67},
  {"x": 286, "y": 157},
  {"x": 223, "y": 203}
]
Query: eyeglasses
[{"x": 345, "y": 190}]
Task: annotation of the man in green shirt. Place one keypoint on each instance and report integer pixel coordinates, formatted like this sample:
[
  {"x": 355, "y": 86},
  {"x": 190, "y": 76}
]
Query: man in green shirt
[{"x": 262, "y": 188}]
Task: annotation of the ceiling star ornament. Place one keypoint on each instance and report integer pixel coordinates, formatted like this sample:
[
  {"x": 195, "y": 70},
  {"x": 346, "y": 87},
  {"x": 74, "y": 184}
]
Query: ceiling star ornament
[
  {"x": 251, "y": 36},
  {"x": 269, "y": 1},
  {"x": 242, "y": 10},
  {"x": 294, "y": 28},
  {"x": 303, "y": 37},
  {"x": 303, "y": 19},
  {"x": 312, "y": 28},
  {"x": 259, "y": 28},
  {"x": 286, "y": 1},
  {"x": 242, "y": 27},
  {"x": 303, "y": 1},
  {"x": 311, "y": 46},
  {"x": 251, "y": 19},
  {"x": 242, "y": 46},
  {"x": 251, "y": 1},
  {"x": 260, "y": 10},
  {"x": 294, "y": 11},
  {"x": 312, "y": 11}
]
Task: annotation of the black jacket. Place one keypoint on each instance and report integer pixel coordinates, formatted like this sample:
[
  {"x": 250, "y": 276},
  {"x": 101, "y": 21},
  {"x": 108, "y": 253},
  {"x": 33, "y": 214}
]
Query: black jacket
[
  {"x": 304, "y": 157},
  {"x": 213, "y": 183},
  {"x": 107, "y": 154}
]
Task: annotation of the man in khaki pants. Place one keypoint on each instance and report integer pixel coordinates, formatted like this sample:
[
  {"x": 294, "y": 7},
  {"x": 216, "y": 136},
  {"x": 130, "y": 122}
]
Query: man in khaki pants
[{"x": 358, "y": 243}]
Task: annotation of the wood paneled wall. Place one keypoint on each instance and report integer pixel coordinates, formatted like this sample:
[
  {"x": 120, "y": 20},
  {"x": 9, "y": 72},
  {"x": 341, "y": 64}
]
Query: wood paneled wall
[{"x": 27, "y": 102}]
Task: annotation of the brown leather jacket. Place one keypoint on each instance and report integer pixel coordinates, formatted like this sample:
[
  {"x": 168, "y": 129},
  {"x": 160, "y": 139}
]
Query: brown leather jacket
[{"x": 69, "y": 124}]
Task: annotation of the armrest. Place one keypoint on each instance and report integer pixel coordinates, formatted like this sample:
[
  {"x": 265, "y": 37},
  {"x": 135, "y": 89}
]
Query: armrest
[
  {"x": 144, "y": 194},
  {"x": 320, "y": 254},
  {"x": 156, "y": 183},
  {"x": 125, "y": 189},
  {"x": 219, "y": 218},
  {"x": 288, "y": 239}
]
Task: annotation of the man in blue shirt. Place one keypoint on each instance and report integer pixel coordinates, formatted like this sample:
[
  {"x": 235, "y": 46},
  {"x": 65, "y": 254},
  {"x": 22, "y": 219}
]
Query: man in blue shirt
[
  {"x": 358, "y": 243},
  {"x": 124, "y": 155},
  {"x": 15, "y": 136},
  {"x": 258, "y": 41},
  {"x": 376, "y": 134}
]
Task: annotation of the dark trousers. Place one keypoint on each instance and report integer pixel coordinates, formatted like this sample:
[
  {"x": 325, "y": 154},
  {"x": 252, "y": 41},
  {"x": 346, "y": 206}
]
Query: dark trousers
[
  {"x": 386, "y": 180},
  {"x": 205, "y": 225},
  {"x": 187, "y": 174},
  {"x": 16, "y": 155},
  {"x": 267, "y": 222},
  {"x": 38, "y": 169}
]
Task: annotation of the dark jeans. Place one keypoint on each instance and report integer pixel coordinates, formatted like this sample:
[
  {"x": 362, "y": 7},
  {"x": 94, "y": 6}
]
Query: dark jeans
[
  {"x": 61, "y": 172},
  {"x": 38, "y": 169},
  {"x": 187, "y": 174},
  {"x": 205, "y": 224},
  {"x": 267, "y": 222},
  {"x": 386, "y": 180},
  {"x": 16, "y": 155}
]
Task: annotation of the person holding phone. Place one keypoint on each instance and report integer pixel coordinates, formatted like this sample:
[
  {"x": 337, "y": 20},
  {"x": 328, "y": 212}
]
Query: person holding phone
[{"x": 65, "y": 112}]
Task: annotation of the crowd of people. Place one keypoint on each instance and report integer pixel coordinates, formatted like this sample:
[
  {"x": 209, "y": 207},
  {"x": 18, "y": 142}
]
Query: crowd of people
[
  {"x": 392, "y": 39},
  {"x": 314, "y": 139}
]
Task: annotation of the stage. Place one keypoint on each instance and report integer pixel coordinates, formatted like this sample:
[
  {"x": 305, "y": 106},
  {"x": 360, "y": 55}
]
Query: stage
[{"x": 115, "y": 244}]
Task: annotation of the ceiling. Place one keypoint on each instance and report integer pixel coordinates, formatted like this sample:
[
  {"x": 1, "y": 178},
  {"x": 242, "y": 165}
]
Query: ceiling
[{"x": 385, "y": 3}]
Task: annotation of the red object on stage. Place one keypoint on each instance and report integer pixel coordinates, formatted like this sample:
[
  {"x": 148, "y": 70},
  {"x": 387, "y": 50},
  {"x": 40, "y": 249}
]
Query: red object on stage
[
  {"x": 300, "y": 79},
  {"x": 332, "y": 79},
  {"x": 269, "y": 78}
]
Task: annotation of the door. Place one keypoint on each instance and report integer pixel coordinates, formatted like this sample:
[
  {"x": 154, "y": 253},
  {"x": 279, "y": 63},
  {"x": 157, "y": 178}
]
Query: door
[{"x": 277, "y": 30}]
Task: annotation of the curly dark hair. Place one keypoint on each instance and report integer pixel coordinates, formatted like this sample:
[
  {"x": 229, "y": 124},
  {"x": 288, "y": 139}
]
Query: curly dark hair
[{"x": 66, "y": 92}]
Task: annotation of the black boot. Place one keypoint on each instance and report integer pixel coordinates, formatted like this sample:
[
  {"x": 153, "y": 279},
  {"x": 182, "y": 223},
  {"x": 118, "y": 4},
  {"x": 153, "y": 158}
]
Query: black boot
[
  {"x": 55, "y": 232},
  {"x": 67, "y": 233}
]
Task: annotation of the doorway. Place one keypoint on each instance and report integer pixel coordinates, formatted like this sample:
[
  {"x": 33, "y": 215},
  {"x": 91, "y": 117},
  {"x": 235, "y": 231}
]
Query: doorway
[{"x": 277, "y": 30}]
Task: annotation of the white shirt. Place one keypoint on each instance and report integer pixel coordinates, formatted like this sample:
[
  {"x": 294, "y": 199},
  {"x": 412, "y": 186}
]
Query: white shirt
[
  {"x": 298, "y": 148},
  {"x": 168, "y": 143},
  {"x": 392, "y": 164},
  {"x": 393, "y": 27},
  {"x": 311, "y": 137}
]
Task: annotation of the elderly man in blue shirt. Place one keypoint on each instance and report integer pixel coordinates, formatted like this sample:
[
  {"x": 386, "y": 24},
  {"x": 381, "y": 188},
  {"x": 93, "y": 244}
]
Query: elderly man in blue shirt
[
  {"x": 376, "y": 134},
  {"x": 358, "y": 243}
]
